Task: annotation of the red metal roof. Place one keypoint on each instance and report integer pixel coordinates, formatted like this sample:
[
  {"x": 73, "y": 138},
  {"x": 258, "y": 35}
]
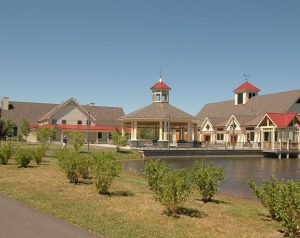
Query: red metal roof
[
  {"x": 246, "y": 87},
  {"x": 282, "y": 119},
  {"x": 160, "y": 85},
  {"x": 79, "y": 127}
]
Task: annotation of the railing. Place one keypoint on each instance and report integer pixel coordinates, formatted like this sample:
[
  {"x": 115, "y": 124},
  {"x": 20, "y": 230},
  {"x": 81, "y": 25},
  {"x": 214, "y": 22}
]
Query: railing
[{"x": 197, "y": 145}]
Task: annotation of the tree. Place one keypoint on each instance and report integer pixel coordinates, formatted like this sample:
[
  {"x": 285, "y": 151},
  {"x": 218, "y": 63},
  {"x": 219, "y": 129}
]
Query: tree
[
  {"x": 45, "y": 135},
  {"x": 25, "y": 127},
  {"x": 77, "y": 140},
  {"x": 118, "y": 139},
  {"x": 147, "y": 133},
  {"x": 7, "y": 128}
]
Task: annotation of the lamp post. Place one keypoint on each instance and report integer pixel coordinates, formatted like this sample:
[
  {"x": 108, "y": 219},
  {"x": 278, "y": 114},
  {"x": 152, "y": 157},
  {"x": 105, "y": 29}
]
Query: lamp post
[
  {"x": 89, "y": 130},
  {"x": 233, "y": 138}
]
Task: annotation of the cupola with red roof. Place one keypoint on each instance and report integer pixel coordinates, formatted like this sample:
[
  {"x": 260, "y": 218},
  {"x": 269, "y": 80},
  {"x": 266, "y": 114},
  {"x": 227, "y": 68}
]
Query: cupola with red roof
[
  {"x": 160, "y": 91},
  {"x": 244, "y": 93}
]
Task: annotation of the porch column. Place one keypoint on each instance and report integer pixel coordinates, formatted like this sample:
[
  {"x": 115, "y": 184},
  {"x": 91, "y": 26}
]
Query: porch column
[
  {"x": 262, "y": 139},
  {"x": 189, "y": 131},
  {"x": 273, "y": 139},
  {"x": 123, "y": 131},
  {"x": 165, "y": 130},
  {"x": 195, "y": 136},
  {"x": 135, "y": 130},
  {"x": 132, "y": 131},
  {"x": 160, "y": 130},
  {"x": 62, "y": 136},
  {"x": 280, "y": 142}
]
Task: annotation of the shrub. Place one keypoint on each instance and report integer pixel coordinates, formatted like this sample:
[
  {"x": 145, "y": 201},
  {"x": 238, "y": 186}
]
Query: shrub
[
  {"x": 23, "y": 157},
  {"x": 282, "y": 200},
  {"x": 173, "y": 189},
  {"x": 6, "y": 152},
  {"x": 68, "y": 163},
  {"x": 84, "y": 166},
  {"x": 207, "y": 179},
  {"x": 38, "y": 154},
  {"x": 77, "y": 140},
  {"x": 105, "y": 169},
  {"x": 154, "y": 172}
]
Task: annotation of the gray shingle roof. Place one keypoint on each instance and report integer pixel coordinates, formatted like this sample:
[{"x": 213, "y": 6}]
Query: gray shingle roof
[
  {"x": 252, "y": 112},
  {"x": 159, "y": 111},
  {"x": 34, "y": 111}
]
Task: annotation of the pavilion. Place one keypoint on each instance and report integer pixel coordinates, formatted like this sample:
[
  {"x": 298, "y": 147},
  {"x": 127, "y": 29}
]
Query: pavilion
[{"x": 169, "y": 123}]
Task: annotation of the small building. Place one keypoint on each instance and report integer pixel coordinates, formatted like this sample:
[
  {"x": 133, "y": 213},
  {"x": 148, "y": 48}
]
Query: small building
[
  {"x": 167, "y": 123},
  {"x": 95, "y": 122}
]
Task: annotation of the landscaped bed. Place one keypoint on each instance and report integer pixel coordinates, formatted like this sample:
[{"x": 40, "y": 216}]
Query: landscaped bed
[{"x": 130, "y": 210}]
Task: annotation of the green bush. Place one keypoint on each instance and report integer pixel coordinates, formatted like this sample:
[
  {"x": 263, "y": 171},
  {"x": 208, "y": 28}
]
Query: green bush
[
  {"x": 23, "y": 157},
  {"x": 68, "y": 163},
  {"x": 173, "y": 189},
  {"x": 282, "y": 200},
  {"x": 207, "y": 179},
  {"x": 105, "y": 169},
  {"x": 38, "y": 154},
  {"x": 84, "y": 166},
  {"x": 154, "y": 172},
  {"x": 77, "y": 140},
  {"x": 6, "y": 152}
]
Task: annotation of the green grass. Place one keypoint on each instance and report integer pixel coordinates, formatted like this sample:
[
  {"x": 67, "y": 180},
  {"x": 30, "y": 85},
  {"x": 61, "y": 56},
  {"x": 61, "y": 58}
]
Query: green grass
[{"x": 131, "y": 211}]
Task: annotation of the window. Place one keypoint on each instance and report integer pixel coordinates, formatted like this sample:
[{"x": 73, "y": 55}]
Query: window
[
  {"x": 251, "y": 95},
  {"x": 64, "y": 122},
  {"x": 240, "y": 98},
  {"x": 79, "y": 122},
  {"x": 54, "y": 121},
  {"x": 207, "y": 127},
  {"x": 88, "y": 122},
  {"x": 99, "y": 135},
  {"x": 220, "y": 136},
  {"x": 298, "y": 101}
]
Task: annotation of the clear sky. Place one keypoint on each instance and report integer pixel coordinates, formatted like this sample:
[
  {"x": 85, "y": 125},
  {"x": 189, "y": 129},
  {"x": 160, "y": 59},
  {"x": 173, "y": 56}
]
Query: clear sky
[{"x": 110, "y": 52}]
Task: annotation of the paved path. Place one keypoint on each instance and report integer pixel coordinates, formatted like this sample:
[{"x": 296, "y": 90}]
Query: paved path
[{"x": 20, "y": 221}]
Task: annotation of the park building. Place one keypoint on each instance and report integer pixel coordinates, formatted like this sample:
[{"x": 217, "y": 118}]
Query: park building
[
  {"x": 268, "y": 121},
  {"x": 96, "y": 122},
  {"x": 166, "y": 123}
]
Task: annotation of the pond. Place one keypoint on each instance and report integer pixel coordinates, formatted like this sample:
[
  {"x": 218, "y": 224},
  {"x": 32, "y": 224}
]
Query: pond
[{"x": 237, "y": 170}]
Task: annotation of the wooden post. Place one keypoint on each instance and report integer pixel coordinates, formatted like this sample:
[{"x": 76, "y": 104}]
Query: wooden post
[
  {"x": 273, "y": 139},
  {"x": 160, "y": 131}
]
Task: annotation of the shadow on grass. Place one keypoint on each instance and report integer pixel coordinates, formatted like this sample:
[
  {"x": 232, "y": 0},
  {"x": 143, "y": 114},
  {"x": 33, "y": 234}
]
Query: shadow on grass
[
  {"x": 214, "y": 201},
  {"x": 119, "y": 193},
  {"x": 185, "y": 211}
]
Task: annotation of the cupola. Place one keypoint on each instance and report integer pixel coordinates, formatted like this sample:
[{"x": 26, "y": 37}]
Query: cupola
[
  {"x": 244, "y": 93},
  {"x": 160, "y": 91}
]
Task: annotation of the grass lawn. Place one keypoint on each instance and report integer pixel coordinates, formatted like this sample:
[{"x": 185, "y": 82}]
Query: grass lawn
[{"x": 131, "y": 211}]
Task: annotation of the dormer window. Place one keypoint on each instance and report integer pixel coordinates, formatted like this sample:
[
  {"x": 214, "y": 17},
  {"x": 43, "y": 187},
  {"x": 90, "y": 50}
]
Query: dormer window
[
  {"x": 79, "y": 122},
  {"x": 64, "y": 122}
]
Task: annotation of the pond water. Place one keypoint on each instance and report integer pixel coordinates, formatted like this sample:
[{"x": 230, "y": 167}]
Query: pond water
[{"x": 237, "y": 170}]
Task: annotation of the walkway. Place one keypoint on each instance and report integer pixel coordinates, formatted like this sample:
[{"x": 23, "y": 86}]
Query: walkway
[{"x": 19, "y": 220}]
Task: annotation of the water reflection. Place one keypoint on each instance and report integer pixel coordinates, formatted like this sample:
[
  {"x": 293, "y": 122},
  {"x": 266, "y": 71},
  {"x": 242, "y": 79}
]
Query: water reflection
[{"x": 237, "y": 170}]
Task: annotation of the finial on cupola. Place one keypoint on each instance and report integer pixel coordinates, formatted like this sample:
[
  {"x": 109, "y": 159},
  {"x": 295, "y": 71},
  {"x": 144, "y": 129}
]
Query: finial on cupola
[{"x": 160, "y": 76}]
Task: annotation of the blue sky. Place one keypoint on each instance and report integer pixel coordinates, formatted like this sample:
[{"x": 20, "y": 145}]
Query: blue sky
[{"x": 111, "y": 52}]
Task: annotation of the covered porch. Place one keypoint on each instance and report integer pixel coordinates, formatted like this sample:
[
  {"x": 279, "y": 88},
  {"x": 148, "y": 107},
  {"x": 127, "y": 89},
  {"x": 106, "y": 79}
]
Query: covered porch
[
  {"x": 280, "y": 132},
  {"x": 161, "y": 132}
]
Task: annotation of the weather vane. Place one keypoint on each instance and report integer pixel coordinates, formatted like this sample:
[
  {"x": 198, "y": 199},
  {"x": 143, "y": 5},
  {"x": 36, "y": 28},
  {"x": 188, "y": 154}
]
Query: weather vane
[{"x": 246, "y": 76}]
